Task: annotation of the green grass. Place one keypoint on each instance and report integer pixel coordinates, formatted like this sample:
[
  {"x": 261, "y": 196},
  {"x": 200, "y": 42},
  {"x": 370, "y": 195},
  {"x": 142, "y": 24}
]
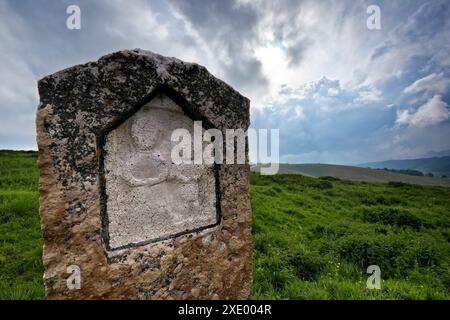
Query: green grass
[
  {"x": 356, "y": 174},
  {"x": 20, "y": 234},
  {"x": 313, "y": 238}
]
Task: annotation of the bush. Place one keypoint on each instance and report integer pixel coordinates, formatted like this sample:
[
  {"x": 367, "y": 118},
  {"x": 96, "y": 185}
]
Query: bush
[
  {"x": 363, "y": 252},
  {"x": 317, "y": 232},
  {"x": 329, "y": 178},
  {"x": 307, "y": 266},
  {"x": 295, "y": 212},
  {"x": 322, "y": 184},
  {"x": 277, "y": 189},
  {"x": 392, "y": 216},
  {"x": 418, "y": 256},
  {"x": 269, "y": 192},
  {"x": 380, "y": 200},
  {"x": 397, "y": 184}
]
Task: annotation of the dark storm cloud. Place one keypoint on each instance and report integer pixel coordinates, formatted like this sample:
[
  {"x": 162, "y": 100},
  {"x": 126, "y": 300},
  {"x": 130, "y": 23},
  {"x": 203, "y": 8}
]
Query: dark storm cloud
[
  {"x": 231, "y": 30},
  {"x": 287, "y": 29},
  {"x": 268, "y": 50},
  {"x": 296, "y": 51},
  {"x": 34, "y": 42}
]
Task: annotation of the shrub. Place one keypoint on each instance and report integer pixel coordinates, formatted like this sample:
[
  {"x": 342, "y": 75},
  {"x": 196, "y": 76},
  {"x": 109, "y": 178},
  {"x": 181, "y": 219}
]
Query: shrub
[
  {"x": 277, "y": 189},
  {"x": 322, "y": 184},
  {"x": 397, "y": 184},
  {"x": 329, "y": 178},
  {"x": 381, "y": 200},
  {"x": 317, "y": 232},
  {"x": 363, "y": 252},
  {"x": 417, "y": 255},
  {"x": 392, "y": 216},
  {"x": 269, "y": 192},
  {"x": 307, "y": 266},
  {"x": 291, "y": 211}
]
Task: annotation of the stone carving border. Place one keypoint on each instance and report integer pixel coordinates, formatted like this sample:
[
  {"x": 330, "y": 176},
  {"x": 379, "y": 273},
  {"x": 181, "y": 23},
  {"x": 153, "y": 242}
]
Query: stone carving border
[{"x": 103, "y": 197}]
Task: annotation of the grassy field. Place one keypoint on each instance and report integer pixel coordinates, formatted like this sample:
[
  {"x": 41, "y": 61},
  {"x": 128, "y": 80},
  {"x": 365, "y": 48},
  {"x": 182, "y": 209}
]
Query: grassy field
[
  {"x": 357, "y": 174},
  {"x": 313, "y": 238},
  {"x": 20, "y": 234}
]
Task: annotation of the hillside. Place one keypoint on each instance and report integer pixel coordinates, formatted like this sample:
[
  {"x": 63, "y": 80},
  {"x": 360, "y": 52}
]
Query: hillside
[
  {"x": 439, "y": 166},
  {"x": 357, "y": 174},
  {"x": 313, "y": 238}
]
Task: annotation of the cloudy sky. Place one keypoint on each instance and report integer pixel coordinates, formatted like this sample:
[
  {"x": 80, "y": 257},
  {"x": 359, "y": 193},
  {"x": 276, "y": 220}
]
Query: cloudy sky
[{"x": 338, "y": 92}]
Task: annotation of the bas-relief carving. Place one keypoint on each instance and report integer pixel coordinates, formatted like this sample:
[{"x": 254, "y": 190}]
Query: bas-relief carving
[{"x": 149, "y": 197}]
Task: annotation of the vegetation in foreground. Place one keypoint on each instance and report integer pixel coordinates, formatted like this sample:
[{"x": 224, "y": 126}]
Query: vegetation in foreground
[
  {"x": 20, "y": 233},
  {"x": 313, "y": 238}
]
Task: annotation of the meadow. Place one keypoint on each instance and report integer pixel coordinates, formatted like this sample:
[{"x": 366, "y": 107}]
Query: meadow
[
  {"x": 353, "y": 173},
  {"x": 313, "y": 237},
  {"x": 20, "y": 233}
]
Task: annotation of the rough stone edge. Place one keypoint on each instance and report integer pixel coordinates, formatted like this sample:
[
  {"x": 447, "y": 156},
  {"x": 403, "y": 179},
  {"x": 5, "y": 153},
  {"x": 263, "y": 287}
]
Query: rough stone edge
[{"x": 49, "y": 183}]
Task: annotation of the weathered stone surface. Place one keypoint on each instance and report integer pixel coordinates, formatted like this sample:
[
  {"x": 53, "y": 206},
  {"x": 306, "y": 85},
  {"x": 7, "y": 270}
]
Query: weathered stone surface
[
  {"x": 81, "y": 114},
  {"x": 149, "y": 197}
]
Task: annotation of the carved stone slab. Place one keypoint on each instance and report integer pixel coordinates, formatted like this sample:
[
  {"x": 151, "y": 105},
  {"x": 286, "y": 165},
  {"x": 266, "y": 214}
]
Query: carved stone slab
[
  {"x": 148, "y": 197},
  {"x": 114, "y": 206}
]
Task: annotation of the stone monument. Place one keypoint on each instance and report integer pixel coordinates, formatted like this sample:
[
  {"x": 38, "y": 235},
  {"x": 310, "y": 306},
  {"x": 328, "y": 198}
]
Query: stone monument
[{"x": 120, "y": 219}]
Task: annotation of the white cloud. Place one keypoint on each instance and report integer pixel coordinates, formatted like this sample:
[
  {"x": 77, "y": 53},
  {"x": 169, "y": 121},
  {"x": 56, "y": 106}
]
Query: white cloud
[
  {"x": 434, "y": 83},
  {"x": 142, "y": 25},
  {"x": 299, "y": 113},
  {"x": 333, "y": 92},
  {"x": 368, "y": 95},
  {"x": 433, "y": 112}
]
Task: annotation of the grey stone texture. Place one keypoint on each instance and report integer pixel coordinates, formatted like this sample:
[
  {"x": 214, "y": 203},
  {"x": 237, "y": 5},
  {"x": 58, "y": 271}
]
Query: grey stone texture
[
  {"x": 149, "y": 197},
  {"x": 175, "y": 253}
]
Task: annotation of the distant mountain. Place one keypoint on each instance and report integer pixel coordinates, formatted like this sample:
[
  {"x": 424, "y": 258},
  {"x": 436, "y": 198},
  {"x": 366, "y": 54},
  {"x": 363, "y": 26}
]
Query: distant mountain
[
  {"x": 438, "y": 166},
  {"x": 436, "y": 154},
  {"x": 355, "y": 173}
]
